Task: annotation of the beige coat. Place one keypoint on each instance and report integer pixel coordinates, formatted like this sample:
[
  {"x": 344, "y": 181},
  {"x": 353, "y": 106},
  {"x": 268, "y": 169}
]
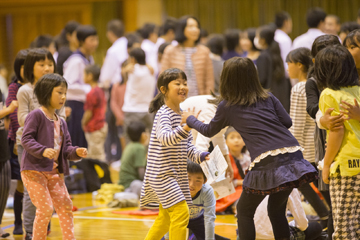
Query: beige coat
[{"x": 174, "y": 58}]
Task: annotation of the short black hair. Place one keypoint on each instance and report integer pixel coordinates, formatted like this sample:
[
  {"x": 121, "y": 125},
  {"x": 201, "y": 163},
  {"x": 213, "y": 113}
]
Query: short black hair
[
  {"x": 300, "y": 55},
  {"x": 180, "y": 27},
  {"x": 94, "y": 70},
  {"x": 116, "y": 27},
  {"x": 232, "y": 37},
  {"x": 135, "y": 130},
  {"x": 314, "y": 16},
  {"x": 195, "y": 168},
  {"x": 36, "y": 55},
  {"x": 19, "y": 62},
  {"x": 335, "y": 68},
  {"x": 169, "y": 24},
  {"x": 44, "y": 87},
  {"x": 43, "y": 41},
  {"x": 322, "y": 42},
  {"x": 147, "y": 29},
  {"x": 352, "y": 39},
  {"x": 347, "y": 27},
  {"x": 280, "y": 18},
  {"x": 84, "y": 31},
  {"x": 251, "y": 32},
  {"x": 216, "y": 44},
  {"x": 239, "y": 82},
  {"x": 132, "y": 39},
  {"x": 139, "y": 55}
]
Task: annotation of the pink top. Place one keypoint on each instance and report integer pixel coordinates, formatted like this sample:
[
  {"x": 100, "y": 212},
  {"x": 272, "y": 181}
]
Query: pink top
[{"x": 57, "y": 140}]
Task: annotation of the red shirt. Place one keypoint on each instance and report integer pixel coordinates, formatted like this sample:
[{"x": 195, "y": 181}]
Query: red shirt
[{"x": 95, "y": 102}]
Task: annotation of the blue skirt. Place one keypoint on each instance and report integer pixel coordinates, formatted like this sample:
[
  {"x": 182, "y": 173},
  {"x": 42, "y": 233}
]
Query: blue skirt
[{"x": 278, "y": 173}]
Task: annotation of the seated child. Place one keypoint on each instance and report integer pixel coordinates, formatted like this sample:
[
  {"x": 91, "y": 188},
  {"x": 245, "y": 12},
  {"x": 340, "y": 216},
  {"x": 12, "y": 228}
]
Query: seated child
[
  {"x": 240, "y": 161},
  {"x": 202, "y": 212},
  {"x": 93, "y": 120},
  {"x": 133, "y": 160}
]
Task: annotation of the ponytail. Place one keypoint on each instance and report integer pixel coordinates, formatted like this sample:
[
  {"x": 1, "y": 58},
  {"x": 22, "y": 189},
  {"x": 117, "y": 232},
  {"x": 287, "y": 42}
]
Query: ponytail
[{"x": 157, "y": 102}]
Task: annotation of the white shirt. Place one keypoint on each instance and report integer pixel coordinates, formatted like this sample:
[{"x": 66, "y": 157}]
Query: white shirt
[
  {"x": 262, "y": 222},
  {"x": 140, "y": 89},
  {"x": 115, "y": 56},
  {"x": 208, "y": 111},
  {"x": 151, "y": 52},
  {"x": 307, "y": 39},
  {"x": 285, "y": 43}
]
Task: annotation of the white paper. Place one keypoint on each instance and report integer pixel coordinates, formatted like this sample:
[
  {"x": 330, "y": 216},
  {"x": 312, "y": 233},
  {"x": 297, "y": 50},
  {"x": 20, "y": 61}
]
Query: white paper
[
  {"x": 223, "y": 187},
  {"x": 214, "y": 167}
]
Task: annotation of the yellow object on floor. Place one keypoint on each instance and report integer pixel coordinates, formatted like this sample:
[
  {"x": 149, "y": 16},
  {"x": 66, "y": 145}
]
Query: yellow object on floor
[{"x": 107, "y": 191}]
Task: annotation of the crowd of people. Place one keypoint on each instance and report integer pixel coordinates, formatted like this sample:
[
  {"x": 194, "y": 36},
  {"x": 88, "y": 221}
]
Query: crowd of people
[{"x": 284, "y": 114}]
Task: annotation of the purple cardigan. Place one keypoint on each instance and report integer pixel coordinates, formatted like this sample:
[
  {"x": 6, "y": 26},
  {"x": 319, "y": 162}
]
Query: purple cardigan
[{"x": 38, "y": 135}]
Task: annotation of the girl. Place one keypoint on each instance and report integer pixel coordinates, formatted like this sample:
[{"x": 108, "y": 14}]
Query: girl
[
  {"x": 37, "y": 63},
  {"x": 271, "y": 67},
  {"x": 166, "y": 181},
  {"x": 14, "y": 86},
  {"x": 47, "y": 146},
  {"x": 191, "y": 57},
  {"x": 248, "y": 46},
  {"x": 352, "y": 43},
  {"x": 277, "y": 162},
  {"x": 335, "y": 70}
]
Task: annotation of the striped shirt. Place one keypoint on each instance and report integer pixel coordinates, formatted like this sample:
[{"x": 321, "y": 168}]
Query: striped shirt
[
  {"x": 303, "y": 127},
  {"x": 190, "y": 72},
  {"x": 14, "y": 124},
  {"x": 166, "y": 180}
]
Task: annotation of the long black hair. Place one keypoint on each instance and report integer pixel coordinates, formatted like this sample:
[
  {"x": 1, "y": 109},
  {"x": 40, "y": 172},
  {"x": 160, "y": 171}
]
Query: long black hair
[{"x": 164, "y": 79}]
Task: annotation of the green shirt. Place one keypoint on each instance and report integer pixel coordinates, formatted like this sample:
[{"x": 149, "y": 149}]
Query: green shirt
[
  {"x": 348, "y": 157},
  {"x": 134, "y": 157}
]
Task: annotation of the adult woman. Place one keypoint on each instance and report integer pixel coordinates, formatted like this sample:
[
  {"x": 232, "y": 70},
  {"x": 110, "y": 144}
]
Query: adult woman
[{"x": 191, "y": 57}]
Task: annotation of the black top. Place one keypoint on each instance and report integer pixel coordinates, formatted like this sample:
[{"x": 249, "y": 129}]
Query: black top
[
  {"x": 312, "y": 97},
  {"x": 64, "y": 54},
  {"x": 4, "y": 148}
]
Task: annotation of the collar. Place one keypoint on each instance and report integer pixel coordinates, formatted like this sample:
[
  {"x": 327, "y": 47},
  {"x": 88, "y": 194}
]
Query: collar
[
  {"x": 120, "y": 40},
  {"x": 197, "y": 195},
  {"x": 215, "y": 57},
  {"x": 52, "y": 120},
  {"x": 314, "y": 31}
]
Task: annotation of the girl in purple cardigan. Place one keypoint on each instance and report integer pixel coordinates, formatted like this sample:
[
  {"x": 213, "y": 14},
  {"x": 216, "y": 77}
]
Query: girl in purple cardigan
[{"x": 47, "y": 147}]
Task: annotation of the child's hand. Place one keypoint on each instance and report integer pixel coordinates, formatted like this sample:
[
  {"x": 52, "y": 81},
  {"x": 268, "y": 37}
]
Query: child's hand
[
  {"x": 13, "y": 105},
  {"x": 49, "y": 153},
  {"x": 81, "y": 152},
  {"x": 68, "y": 111},
  {"x": 325, "y": 174},
  {"x": 332, "y": 123},
  {"x": 352, "y": 111},
  {"x": 128, "y": 69},
  {"x": 207, "y": 157},
  {"x": 186, "y": 114}
]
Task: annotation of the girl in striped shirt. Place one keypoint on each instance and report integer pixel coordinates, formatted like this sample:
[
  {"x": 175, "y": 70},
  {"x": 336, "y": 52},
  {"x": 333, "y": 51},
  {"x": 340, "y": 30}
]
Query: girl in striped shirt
[{"x": 166, "y": 183}]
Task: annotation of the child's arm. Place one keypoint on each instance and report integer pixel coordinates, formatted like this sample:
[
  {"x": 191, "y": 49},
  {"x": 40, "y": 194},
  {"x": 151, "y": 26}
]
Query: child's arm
[
  {"x": 193, "y": 154},
  {"x": 353, "y": 111},
  {"x": 117, "y": 102},
  {"x": 335, "y": 139},
  {"x": 209, "y": 214},
  {"x": 7, "y": 110},
  {"x": 312, "y": 98},
  {"x": 86, "y": 118},
  {"x": 23, "y": 109},
  {"x": 298, "y": 115}
]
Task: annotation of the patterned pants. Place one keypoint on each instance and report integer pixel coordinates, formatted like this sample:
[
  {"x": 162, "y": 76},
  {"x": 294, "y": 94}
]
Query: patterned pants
[
  {"x": 345, "y": 199},
  {"x": 47, "y": 190}
]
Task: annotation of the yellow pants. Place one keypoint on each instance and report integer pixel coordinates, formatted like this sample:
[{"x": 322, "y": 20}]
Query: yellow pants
[{"x": 174, "y": 220}]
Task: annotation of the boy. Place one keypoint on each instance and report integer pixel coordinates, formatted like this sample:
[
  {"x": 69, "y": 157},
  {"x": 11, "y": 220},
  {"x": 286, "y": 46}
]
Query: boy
[
  {"x": 202, "y": 212},
  {"x": 93, "y": 121},
  {"x": 133, "y": 160},
  {"x": 74, "y": 74}
]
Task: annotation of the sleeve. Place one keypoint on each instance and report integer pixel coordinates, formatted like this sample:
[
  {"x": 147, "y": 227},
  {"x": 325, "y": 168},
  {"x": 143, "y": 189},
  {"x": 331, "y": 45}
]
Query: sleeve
[
  {"x": 312, "y": 98},
  {"x": 263, "y": 67},
  {"x": 296, "y": 209},
  {"x": 215, "y": 125},
  {"x": 166, "y": 59},
  {"x": 281, "y": 112},
  {"x": 318, "y": 116},
  {"x": 166, "y": 135},
  {"x": 193, "y": 154},
  {"x": 12, "y": 97},
  {"x": 72, "y": 72},
  {"x": 209, "y": 214},
  {"x": 298, "y": 116},
  {"x": 140, "y": 157},
  {"x": 209, "y": 76},
  {"x": 109, "y": 67},
  {"x": 70, "y": 151},
  {"x": 91, "y": 100},
  {"x": 23, "y": 109},
  {"x": 28, "y": 141},
  {"x": 328, "y": 101}
]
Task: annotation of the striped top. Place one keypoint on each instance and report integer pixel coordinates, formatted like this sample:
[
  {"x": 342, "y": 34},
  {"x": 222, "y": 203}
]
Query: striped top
[
  {"x": 166, "y": 180},
  {"x": 303, "y": 127},
  {"x": 14, "y": 124},
  {"x": 190, "y": 72}
]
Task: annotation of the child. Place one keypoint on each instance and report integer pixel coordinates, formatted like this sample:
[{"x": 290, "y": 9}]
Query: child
[
  {"x": 47, "y": 147},
  {"x": 93, "y": 120},
  {"x": 133, "y": 159},
  {"x": 74, "y": 74},
  {"x": 240, "y": 162},
  {"x": 277, "y": 162},
  {"x": 165, "y": 182},
  {"x": 202, "y": 212},
  {"x": 37, "y": 63},
  {"x": 335, "y": 70},
  {"x": 140, "y": 88}
]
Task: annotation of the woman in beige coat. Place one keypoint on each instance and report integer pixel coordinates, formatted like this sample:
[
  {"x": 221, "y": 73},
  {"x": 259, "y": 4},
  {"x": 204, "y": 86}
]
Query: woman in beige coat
[{"x": 190, "y": 57}]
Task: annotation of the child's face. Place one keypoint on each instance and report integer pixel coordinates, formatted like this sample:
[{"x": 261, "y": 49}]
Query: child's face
[
  {"x": 177, "y": 91},
  {"x": 42, "y": 67},
  {"x": 235, "y": 142},
  {"x": 88, "y": 78},
  {"x": 192, "y": 30},
  {"x": 355, "y": 52},
  {"x": 90, "y": 44},
  {"x": 196, "y": 181},
  {"x": 294, "y": 70},
  {"x": 58, "y": 97}
]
